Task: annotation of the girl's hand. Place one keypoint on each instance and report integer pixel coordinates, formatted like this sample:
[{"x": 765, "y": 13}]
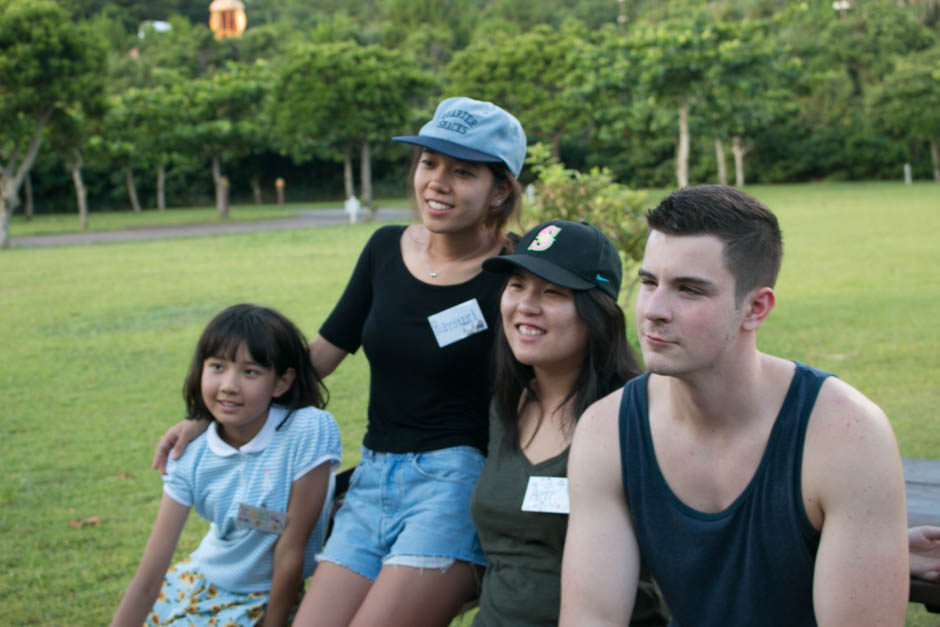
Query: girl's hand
[
  {"x": 925, "y": 552},
  {"x": 176, "y": 439}
]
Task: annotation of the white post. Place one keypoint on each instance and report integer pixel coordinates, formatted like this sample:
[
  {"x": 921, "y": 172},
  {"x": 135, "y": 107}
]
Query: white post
[
  {"x": 907, "y": 174},
  {"x": 352, "y": 208}
]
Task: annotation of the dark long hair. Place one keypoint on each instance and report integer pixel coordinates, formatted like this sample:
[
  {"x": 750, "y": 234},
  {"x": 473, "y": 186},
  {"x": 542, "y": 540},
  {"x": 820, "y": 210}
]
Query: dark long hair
[
  {"x": 608, "y": 364},
  {"x": 273, "y": 342}
]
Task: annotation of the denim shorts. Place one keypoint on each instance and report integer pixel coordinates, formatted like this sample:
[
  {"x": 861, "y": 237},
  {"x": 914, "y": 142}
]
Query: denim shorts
[{"x": 407, "y": 509}]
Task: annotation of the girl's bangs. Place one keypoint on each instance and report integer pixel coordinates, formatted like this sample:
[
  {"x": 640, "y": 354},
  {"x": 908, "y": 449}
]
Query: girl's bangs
[{"x": 224, "y": 344}]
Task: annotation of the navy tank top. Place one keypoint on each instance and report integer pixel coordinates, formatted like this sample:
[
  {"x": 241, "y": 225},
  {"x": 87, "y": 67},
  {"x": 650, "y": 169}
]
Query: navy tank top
[{"x": 751, "y": 564}]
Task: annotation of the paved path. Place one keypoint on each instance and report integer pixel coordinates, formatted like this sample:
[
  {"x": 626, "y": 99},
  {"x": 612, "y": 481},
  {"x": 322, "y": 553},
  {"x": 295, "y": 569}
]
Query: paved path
[{"x": 303, "y": 220}]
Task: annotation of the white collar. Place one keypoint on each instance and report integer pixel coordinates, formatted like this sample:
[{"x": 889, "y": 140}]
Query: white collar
[{"x": 258, "y": 443}]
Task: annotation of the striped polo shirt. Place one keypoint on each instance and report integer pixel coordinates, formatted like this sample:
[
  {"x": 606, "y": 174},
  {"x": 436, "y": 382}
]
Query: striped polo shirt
[{"x": 215, "y": 478}]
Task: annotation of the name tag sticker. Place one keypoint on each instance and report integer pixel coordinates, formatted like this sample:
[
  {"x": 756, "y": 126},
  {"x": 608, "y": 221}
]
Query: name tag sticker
[
  {"x": 250, "y": 517},
  {"x": 457, "y": 322},
  {"x": 547, "y": 494}
]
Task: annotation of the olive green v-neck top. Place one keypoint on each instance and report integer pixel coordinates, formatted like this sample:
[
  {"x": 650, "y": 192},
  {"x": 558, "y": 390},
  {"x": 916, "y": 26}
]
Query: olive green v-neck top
[{"x": 522, "y": 584}]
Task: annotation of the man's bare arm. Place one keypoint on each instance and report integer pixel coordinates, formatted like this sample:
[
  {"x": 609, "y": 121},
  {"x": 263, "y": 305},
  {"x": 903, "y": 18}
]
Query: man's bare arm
[
  {"x": 601, "y": 562},
  {"x": 853, "y": 482}
]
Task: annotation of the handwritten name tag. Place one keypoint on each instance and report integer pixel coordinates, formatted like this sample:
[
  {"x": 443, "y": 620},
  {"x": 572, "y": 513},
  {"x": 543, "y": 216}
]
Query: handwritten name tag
[
  {"x": 457, "y": 322},
  {"x": 250, "y": 517},
  {"x": 546, "y": 494}
]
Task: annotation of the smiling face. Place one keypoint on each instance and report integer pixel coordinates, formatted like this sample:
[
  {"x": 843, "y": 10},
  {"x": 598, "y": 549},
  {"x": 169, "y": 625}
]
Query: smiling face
[
  {"x": 686, "y": 314},
  {"x": 238, "y": 393},
  {"x": 541, "y": 323},
  {"x": 452, "y": 195}
]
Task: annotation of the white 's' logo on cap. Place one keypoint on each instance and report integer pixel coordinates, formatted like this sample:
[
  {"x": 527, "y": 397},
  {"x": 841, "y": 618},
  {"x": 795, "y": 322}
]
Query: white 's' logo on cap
[{"x": 545, "y": 238}]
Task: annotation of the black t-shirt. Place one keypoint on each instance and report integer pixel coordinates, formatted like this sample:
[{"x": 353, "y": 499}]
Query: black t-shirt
[{"x": 422, "y": 397}]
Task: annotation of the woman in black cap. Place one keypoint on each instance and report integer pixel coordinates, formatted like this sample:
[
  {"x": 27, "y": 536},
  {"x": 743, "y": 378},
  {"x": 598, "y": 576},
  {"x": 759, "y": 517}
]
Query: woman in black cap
[
  {"x": 403, "y": 550},
  {"x": 560, "y": 345}
]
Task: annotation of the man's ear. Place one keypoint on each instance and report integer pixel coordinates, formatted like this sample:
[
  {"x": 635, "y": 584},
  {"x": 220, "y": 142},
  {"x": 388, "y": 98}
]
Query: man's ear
[
  {"x": 283, "y": 382},
  {"x": 758, "y": 304}
]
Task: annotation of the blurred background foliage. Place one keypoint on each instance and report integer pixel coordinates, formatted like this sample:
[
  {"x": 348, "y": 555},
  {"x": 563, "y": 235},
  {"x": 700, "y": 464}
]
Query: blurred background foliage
[{"x": 158, "y": 110}]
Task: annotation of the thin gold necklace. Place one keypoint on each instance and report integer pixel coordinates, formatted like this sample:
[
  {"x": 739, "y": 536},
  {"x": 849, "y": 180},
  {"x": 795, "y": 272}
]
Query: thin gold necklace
[{"x": 434, "y": 273}]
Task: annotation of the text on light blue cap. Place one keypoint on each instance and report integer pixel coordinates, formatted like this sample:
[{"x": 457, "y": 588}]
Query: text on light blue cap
[{"x": 473, "y": 130}]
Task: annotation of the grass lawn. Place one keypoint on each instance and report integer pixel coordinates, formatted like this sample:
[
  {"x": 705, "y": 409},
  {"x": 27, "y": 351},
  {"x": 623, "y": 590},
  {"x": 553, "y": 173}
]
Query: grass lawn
[{"x": 97, "y": 339}]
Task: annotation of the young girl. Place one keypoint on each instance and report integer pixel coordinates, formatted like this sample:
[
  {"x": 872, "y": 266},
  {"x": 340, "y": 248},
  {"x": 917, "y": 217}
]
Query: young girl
[
  {"x": 261, "y": 475},
  {"x": 560, "y": 345}
]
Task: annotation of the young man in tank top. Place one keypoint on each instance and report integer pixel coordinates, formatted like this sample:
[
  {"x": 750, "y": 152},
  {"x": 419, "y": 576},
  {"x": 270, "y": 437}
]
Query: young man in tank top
[{"x": 760, "y": 491}]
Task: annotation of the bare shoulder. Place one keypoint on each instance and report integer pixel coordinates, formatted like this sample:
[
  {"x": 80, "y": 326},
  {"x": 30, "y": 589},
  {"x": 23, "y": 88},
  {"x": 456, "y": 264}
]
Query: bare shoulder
[
  {"x": 849, "y": 449},
  {"x": 595, "y": 449},
  {"x": 600, "y": 419},
  {"x": 843, "y": 413}
]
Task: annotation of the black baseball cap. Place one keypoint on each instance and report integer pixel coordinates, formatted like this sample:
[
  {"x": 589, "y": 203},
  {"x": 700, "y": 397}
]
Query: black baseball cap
[{"x": 571, "y": 254}]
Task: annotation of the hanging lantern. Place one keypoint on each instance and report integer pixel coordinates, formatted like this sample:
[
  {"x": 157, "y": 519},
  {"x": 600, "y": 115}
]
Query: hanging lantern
[{"x": 227, "y": 18}]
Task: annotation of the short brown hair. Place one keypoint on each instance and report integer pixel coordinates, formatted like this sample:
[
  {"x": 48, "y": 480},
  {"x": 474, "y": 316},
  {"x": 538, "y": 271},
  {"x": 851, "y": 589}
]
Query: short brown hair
[{"x": 753, "y": 243}]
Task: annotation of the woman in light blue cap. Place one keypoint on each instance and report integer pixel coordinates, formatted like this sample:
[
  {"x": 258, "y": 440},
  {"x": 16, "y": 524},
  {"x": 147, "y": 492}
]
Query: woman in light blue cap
[{"x": 403, "y": 550}]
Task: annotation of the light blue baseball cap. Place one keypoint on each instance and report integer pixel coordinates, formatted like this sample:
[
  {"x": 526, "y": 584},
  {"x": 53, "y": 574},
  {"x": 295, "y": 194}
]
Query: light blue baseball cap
[{"x": 473, "y": 130}]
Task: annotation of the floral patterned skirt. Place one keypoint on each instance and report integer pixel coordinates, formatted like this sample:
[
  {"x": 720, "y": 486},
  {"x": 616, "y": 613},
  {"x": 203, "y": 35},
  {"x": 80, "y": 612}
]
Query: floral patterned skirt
[{"x": 187, "y": 598}]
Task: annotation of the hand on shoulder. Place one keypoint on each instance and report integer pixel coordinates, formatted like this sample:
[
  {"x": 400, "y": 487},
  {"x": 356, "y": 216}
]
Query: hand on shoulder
[{"x": 924, "y": 543}]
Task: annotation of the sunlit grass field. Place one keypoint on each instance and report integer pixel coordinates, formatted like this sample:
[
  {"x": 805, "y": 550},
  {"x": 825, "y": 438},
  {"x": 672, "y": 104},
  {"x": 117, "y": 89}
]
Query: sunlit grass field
[{"x": 96, "y": 341}]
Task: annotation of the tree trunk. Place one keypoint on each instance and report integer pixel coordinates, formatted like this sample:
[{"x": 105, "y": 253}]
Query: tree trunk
[
  {"x": 935, "y": 157},
  {"x": 81, "y": 198},
  {"x": 12, "y": 176},
  {"x": 556, "y": 145},
  {"x": 256, "y": 190},
  {"x": 224, "y": 189},
  {"x": 131, "y": 189},
  {"x": 365, "y": 178},
  {"x": 682, "y": 149},
  {"x": 8, "y": 202},
  {"x": 221, "y": 201},
  {"x": 739, "y": 151},
  {"x": 161, "y": 187},
  {"x": 348, "y": 172},
  {"x": 28, "y": 189},
  {"x": 720, "y": 158}
]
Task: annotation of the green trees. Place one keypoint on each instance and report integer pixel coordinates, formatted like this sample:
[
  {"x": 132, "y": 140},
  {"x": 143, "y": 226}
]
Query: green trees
[
  {"x": 223, "y": 118},
  {"x": 140, "y": 131},
  {"x": 71, "y": 134},
  {"x": 333, "y": 98},
  {"x": 48, "y": 65},
  {"x": 532, "y": 75},
  {"x": 673, "y": 60},
  {"x": 845, "y": 55},
  {"x": 907, "y": 104},
  {"x": 651, "y": 90},
  {"x": 750, "y": 87}
]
